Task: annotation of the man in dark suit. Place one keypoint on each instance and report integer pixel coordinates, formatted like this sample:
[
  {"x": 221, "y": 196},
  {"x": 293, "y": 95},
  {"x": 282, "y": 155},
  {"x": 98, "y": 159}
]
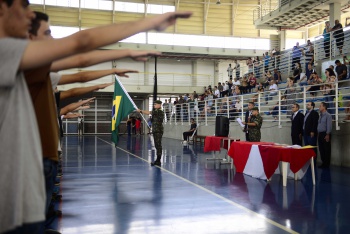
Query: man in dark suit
[
  {"x": 310, "y": 126},
  {"x": 297, "y": 125},
  {"x": 248, "y": 113}
]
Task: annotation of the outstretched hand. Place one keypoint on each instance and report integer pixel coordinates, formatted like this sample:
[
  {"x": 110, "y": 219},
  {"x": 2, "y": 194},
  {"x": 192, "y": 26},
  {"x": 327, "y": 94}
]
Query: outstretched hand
[
  {"x": 102, "y": 86},
  {"x": 142, "y": 55},
  {"x": 163, "y": 21},
  {"x": 122, "y": 72}
]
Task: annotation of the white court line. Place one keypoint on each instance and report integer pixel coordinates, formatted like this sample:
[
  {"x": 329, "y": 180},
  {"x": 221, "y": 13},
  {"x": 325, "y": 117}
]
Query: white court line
[{"x": 211, "y": 192}]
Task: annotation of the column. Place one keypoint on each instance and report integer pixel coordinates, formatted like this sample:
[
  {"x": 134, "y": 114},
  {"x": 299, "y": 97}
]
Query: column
[
  {"x": 334, "y": 12},
  {"x": 283, "y": 37}
]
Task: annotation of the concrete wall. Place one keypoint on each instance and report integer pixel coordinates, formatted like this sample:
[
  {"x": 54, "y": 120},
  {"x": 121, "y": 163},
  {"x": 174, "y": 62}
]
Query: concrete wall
[{"x": 271, "y": 133}]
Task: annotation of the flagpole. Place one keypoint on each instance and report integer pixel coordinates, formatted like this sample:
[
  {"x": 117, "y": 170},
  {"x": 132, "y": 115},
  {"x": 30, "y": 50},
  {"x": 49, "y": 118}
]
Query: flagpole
[{"x": 133, "y": 103}]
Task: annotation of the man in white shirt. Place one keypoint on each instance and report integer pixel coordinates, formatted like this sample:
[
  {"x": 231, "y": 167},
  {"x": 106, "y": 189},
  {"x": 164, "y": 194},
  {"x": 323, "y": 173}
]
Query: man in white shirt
[
  {"x": 236, "y": 82},
  {"x": 273, "y": 91},
  {"x": 216, "y": 92},
  {"x": 229, "y": 71}
]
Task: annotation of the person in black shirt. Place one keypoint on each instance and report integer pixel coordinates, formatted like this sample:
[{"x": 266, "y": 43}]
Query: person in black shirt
[
  {"x": 190, "y": 132},
  {"x": 341, "y": 70}
]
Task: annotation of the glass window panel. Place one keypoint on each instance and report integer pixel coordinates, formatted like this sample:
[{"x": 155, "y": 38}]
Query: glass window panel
[
  {"x": 59, "y": 32},
  {"x": 138, "y": 38},
  {"x": 36, "y": 1}
]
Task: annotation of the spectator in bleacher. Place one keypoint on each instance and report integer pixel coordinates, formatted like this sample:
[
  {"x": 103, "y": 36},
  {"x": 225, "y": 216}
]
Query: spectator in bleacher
[
  {"x": 341, "y": 70},
  {"x": 235, "y": 83},
  {"x": 259, "y": 90},
  {"x": 297, "y": 125},
  {"x": 177, "y": 108},
  {"x": 314, "y": 83},
  {"x": 244, "y": 84},
  {"x": 221, "y": 89},
  {"x": 236, "y": 108},
  {"x": 329, "y": 90},
  {"x": 257, "y": 67},
  {"x": 297, "y": 71},
  {"x": 274, "y": 109},
  {"x": 277, "y": 76},
  {"x": 249, "y": 63},
  {"x": 189, "y": 133},
  {"x": 297, "y": 52},
  {"x": 310, "y": 126},
  {"x": 266, "y": 61},
  {"x": 309, "y": 57},
  {"x": 236, "y": 92},
  {"x": 251, "y": 82},
  {"x": 254, "y": 125},
  {"x": 290, "y": 94},
  {"x": 331, "y": 67},
  {"x": 277, "y": 57},
  {"x": 225, "y": 89},
  {"x": 191, "y": 104},
  {"x": 166, "y": 109},
  {"x": 224, "y": 105},
  {"x": 309, "y": 70},
  {"x": 324, "y": 129},
  {"x": 326, "y": 38},
  {"x": 338, "y": 34},
  {"x": 216, "y": 92},
  {"x": 186, "y": 97},
  {"x": 238, "y": 69},
  {"x": 230, "y": 83},
  {"x": 195, "y": 95},
  {"x": 273, "y": 91},
  {"x": 229, "y": 71},
  {"x": 267, "y": 79}
]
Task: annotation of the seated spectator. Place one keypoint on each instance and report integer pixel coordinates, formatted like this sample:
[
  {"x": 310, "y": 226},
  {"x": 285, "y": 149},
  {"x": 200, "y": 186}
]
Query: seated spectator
[
  {"x": 251, "y": 82},
  {"x": 303, "y": 79},
  {"x": 274, "y": 109},
  {"x": 341, "y": 70},
  {"x": 216, "y": 92},
  {"x": 297, "y": 71},
  {"x": 236, "y": 83},
  {"x": 260, "y": 90},
  {"x": 273, "y": 91},
  {"x": 267, "y": 78},
  {"x": 244, "y": 85},
  {"x": 313, "y": 83},
  {"x": 236, "y": 108},
  {"x": 190, "y": 132},
  {"x": 277, "y": 76}
]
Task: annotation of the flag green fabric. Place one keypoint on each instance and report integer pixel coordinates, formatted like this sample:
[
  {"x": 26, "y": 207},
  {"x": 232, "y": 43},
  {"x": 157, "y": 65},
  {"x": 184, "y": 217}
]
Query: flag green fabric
[{"x": 122, "y": 107}]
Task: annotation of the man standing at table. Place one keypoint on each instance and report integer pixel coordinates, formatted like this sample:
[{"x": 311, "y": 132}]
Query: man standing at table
[
  {"x": 297, "y": 125},
  {"x": 254, "y": 123},
  {"x": 310, "y": 126},
  {"x": 324, "y": 129},
  {"x": 248, "y": 114},
  {"x": 157, "y": 128}
]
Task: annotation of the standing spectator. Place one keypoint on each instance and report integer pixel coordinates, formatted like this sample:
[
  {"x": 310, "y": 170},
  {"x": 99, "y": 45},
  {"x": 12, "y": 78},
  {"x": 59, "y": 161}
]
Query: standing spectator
[
  {"x": 157, "y": 129},
  {"x": 225, "y": 90},
  {"x": 338, "y": 34},
  {"x": 191, "y": 104},
  {"x": 266, "y": 61},
  {"x": 297, "y": 125},
  {"x": 170, "y": 108},
  {"x": 277, "y": 57},
  {"x": 329, "y": 90},
  {"x": 326, "y": 38},
  {"x": 166, "y": 109},
  {"x": 249, "y": 63},
  {"x": 229, "y": 71},
  {"x": 297, "y": 71},
  {"x": 238, "y": 69},
  {"x": 273, "y": 91},
  {"x": 324, "y": 129},
  {"x": 251, "y": 82},
  {"x": 254, "y": 123},
  {"x": 195, "y": 95},
  {"x": 235, "y": 83},
  {"x": 297, "y": 52},
  {"x": 310, "y": 126},
  {"x": 216, "y": 92},
  {"x": 248, "y": 114},
  {"x": 221, "y": 89},
  {"x": 257, "y": 67},
  {"x": 244, "y": 85},
  {"x": 341, "y": 70},
  {"x": 267, "y": 78},
  {"x": 347, "y": 64},
  {"x": 309, "y": 56}
]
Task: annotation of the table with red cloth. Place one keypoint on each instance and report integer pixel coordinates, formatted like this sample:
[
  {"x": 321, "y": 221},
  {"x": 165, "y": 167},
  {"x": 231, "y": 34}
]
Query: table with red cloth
[
  {"x": 261, "y": 159},
  {"x": 215, "y": 143}
]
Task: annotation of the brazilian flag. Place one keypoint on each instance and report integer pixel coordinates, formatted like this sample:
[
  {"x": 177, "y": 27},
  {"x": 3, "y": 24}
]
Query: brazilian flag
[{"x": 122, "y": 107}]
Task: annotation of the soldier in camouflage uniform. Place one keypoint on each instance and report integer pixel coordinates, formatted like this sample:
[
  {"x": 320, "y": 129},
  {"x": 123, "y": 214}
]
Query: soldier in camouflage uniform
[
  {"x": 254, "y": 125},
  {"x": 157, "y": 128}
]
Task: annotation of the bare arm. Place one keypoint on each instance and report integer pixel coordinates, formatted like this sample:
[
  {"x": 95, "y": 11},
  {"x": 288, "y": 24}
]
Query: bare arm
[
  {"x": 92, "y": 75},
  {"x": 73, "y": 106},
  {"x": 80, "y": 91},
  {"x": 39, "y": 53},
  {"x": 99, "y": 56}
]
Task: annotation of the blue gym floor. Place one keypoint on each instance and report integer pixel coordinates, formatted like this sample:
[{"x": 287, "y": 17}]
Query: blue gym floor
[{"x": 115, "y": 190}]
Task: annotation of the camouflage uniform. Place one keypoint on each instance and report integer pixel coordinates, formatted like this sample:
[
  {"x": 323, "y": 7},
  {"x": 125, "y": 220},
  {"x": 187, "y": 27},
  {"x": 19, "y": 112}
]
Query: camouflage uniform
[
  {"x": 254, "y": 132},
  {"x": 157, "y": 130}
]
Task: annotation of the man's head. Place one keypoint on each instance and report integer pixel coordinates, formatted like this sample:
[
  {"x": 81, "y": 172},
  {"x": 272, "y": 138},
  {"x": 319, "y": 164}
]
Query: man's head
[
  {"x": 310, "y": 105},
  {"x": 336, "y": 21},
  {"x": 323, "y": 107},
  {"x": 327, "y": 24},
  {"x": 251, "y": 105},
  {"x": 15, "y": 18},
  {"x": 255, "y": 111},
  {"x": 192, "y": 120},
  {"x": 337, "y": 62},
  {"x": 40, "y": 27},
  {"x": 157, "y": 104},
  {"x": 229, "y": 65},
  {"x": 309, "y": 66},
  {"x": 295, "y": 107}
]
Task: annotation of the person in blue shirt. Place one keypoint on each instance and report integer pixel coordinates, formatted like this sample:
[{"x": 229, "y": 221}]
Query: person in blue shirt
[{"x": 326, "y": 38}]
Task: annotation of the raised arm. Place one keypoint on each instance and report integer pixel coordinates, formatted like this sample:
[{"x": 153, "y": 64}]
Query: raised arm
[
  {"x": 73, "y": 106},
  {"x": 81, "y": 91},
  {"x": 98, "y": 56},
  {"x": 92, "y": 75},
  {"x": 39, "y": 53}
]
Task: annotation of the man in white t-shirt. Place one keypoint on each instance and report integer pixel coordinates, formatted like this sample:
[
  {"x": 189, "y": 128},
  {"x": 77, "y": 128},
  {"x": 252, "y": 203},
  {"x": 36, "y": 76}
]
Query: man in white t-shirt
[
  {"x": 229, "y": 71},
  {"x": 235, "y": 83},
  {"x": 273, "y": 91}
]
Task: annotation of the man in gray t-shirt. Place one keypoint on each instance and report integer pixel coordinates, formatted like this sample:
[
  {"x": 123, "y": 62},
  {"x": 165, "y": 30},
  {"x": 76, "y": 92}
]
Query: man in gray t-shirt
[{"x": 324, "y": 129}]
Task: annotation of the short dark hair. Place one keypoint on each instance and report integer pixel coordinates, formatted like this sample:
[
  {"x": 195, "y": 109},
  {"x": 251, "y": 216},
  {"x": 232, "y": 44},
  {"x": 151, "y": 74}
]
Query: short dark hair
[
  {"x": 251, "y": 103},
  {"x": 297, "y": 105},
  {"x": 325, "y": 105},
  {"x": 313, "y": 105},
  {"x": 39, "y": 16},
  {"x": 337, "y": 61}
]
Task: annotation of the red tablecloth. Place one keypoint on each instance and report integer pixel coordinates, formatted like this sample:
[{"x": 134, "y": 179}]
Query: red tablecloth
[
  {"x": 213, "y": 143},
  {"x": 240, "y": 150},
  {"x": 272, "y": 155}
]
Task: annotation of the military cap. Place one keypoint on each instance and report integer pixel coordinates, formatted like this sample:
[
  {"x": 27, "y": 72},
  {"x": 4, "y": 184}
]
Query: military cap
[
  {"x": 158, "y": 102},
  {"x": 255, "y": 108}
]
